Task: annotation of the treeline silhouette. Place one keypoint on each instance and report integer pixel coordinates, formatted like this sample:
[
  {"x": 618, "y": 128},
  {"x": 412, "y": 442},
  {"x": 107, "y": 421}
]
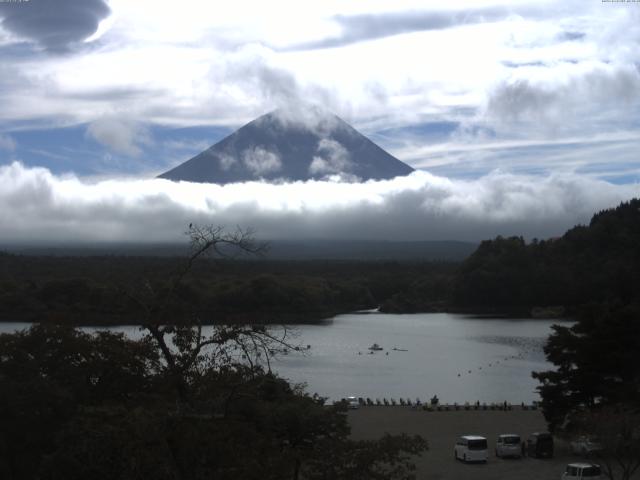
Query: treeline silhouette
[
  {"x": 599, "y": 262},
  {"x": 91, "y": 289},
  {"x": 594, "y": 387}
]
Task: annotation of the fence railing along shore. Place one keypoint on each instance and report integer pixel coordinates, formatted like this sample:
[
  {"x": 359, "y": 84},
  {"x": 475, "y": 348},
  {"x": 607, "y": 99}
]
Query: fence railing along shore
[{"x": 434, "y": 405}]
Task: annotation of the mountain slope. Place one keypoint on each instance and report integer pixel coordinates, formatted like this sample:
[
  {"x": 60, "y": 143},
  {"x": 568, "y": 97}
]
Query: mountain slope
[{"x": 282, "y": 145}]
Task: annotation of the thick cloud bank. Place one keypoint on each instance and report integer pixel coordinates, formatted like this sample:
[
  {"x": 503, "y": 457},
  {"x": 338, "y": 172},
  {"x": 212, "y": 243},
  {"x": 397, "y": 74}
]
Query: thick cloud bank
[{"x": 36, "y": 206}]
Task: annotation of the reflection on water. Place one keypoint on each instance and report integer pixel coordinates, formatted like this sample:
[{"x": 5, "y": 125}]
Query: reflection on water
[{"x": 456, "y": 357}]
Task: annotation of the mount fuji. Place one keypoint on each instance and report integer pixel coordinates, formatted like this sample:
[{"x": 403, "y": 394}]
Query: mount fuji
[{"x": 291, "y": 145}]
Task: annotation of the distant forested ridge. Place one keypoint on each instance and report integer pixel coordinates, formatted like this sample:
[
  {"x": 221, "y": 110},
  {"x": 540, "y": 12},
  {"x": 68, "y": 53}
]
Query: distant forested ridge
[
  {"x": 91, "y": 290},
  {"x": 599, "y": 262}
]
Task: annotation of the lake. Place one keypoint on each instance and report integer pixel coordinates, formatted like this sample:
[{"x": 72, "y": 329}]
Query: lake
[{"x": 456, "y": 357}]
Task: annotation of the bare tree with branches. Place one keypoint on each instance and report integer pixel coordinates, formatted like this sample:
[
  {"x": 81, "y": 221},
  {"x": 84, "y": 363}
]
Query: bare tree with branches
[
  {"x": 617, "y": 428},
  {"x": 185, "y": 349}
]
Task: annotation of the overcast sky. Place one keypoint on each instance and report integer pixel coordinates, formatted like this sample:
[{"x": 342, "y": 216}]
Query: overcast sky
[{"x": 520, "y": 116}]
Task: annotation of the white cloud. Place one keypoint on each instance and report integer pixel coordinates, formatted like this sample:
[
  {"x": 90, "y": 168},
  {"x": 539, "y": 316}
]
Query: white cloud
[
  {"x": 564, "y": 99},
  {"x": 542, "y": 70},
  {"x": 188, "y": 145},
  {"x": 260, "y": 161},
  {"x": 7, "y": 143},
  {"x": 120, "y": 135},
  {"x": 229, "y": 64},
  {"x": 332, "y": 158},
  {"x": 226, "y": 161},
  {"x": 472, "y": 154},
  {"x": 36, "y": 205},
  {"x": 297, "y": 113}
]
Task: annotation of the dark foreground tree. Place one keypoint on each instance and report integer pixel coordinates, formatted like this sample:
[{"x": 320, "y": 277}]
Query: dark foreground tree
[
  {"x": 596, "y": 363},
  {"x": 52, "y": 375},
  {"x": 617, "y": 430},
  {"x": 179, "y": 337},
  {"x": 595, "y": 389},
  {"x": 176, "y": 404},
  {"x": 77, "y": 406}
]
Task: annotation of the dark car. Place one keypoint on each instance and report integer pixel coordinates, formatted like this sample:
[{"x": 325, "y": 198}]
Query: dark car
[{"x": 540, "y": 445}]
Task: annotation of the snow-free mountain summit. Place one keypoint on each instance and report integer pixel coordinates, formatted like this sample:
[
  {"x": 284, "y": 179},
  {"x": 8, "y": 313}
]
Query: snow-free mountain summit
[{"x": 289, "y": 146}]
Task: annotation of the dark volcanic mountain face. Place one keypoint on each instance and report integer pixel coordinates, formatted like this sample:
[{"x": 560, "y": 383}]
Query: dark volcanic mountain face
[{"x": 286, "y": 146}]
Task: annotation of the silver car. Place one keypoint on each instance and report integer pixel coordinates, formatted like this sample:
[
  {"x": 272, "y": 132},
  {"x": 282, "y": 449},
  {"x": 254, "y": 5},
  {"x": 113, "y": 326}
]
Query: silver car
[{"x": 508, "y": 445}]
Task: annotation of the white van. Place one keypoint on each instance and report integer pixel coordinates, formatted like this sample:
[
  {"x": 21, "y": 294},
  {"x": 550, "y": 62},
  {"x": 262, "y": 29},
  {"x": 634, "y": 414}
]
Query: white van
[
  {"x": 578, "y": 471},
  {"x": 508, "y": 445},
  {"x": 471, "y": 448}
]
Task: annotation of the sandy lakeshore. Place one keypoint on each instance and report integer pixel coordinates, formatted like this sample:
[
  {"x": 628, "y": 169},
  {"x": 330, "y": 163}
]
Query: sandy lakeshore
[{"x": 441, "y": 430}]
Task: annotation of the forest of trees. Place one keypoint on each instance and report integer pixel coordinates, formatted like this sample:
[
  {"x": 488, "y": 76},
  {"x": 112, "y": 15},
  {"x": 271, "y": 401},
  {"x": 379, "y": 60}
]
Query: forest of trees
[
  {"x": 79, "y": 406},
  {"x": 594, "y": 388},
  {"x": 88, "y": 290},
  {"x": 175, "y": 404},
  {"x": 178, "y": 404},
  {"x": 599, "y": 263}
]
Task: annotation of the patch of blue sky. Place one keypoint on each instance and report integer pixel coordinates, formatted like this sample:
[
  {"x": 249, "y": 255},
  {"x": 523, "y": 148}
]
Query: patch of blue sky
[
  {"x": 428, "y": 129},
  {"x": 174, "y": 146},
  {"x": 583, "y": 158},
  {"x": 70, "y": 149},
  {"x": 613, "y": 172},
  {"x": 61, "y": 150},
  {"x": 432, "y": 132}
]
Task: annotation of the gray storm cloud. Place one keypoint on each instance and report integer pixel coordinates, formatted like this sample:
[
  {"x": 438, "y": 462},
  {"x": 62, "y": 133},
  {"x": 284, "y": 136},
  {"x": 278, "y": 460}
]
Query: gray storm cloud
[
  {"x": 37, "y": 206},
  {"x": 614, "y": 90},
  {"x": 54, "y": 24}
]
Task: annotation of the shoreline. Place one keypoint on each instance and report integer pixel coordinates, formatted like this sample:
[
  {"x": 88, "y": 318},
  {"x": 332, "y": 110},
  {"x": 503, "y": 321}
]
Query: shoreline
[
  {"x": 277, "y": 318},
  {"x": 466, "y": 406}
]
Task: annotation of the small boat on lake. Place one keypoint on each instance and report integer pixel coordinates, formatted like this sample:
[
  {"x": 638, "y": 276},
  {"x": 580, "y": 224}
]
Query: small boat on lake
[
  {"x": 400, "y": 349},
  {"x": 375, "y": 347}
]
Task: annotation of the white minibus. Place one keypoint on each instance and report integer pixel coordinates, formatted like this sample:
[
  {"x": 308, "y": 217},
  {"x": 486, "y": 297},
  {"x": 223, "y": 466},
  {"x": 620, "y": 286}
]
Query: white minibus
[{"x": 471, "y": 448}]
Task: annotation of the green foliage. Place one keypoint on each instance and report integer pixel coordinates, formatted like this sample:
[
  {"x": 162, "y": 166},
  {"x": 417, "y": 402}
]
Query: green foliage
[
  {"x": 178, "y": 403},
  {"x": 32, "y": 411},
  {"x": 104, "y": 366},
  {"x": 596, "y": 363},
  {"x": 597, "y": 263},
  {"x": 89, "y": 290},
  {"x": 388, "y": 457},
  {"x": 47, "y": 375},
  {"x": 427, "y": 294},
  {"x": 75, "y": 405}
]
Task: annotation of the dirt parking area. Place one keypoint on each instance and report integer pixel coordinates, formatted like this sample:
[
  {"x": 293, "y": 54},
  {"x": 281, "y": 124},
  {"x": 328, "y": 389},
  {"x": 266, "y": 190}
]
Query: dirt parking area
[{"x": 441, "y": 429}]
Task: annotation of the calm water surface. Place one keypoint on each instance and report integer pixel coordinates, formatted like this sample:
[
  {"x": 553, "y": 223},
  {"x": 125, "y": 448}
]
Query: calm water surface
[{"x": 457, "y": 357}]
